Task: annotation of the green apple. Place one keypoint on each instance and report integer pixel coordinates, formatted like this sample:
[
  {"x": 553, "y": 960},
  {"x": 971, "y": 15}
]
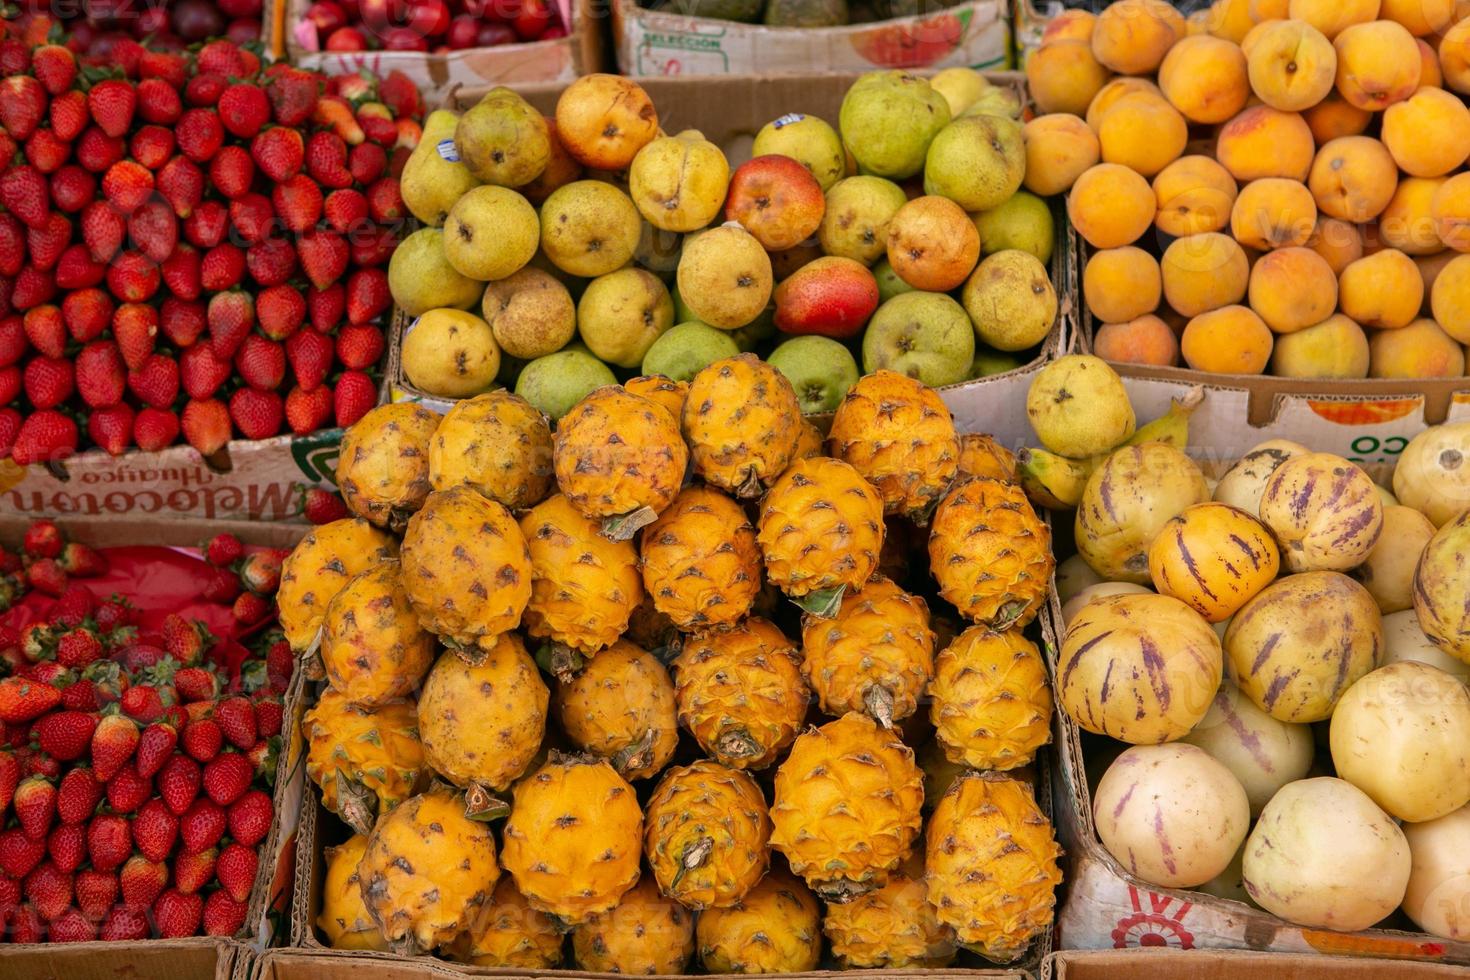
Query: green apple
[{"x": 819, "y": 368}]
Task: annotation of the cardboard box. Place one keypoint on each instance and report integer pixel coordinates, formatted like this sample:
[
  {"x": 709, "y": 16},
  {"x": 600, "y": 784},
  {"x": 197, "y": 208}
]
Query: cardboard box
[
  {"x": 664, "y": 42},
  {"x": 1170, "y": 964},
  {"x": 159, "y": 959}
]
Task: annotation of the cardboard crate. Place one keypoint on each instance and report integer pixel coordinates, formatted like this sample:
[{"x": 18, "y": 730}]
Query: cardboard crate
[
  {"x": 159, "y": 959},
  {"x": 664, "y": 42},
  {"x": 1170, "y": 964}
]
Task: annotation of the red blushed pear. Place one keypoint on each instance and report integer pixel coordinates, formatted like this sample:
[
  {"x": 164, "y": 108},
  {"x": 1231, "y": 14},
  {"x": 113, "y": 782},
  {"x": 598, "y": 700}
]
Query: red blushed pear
[
  {"x": 832, "y": 297},
  {"x": 777, "y": 200}
]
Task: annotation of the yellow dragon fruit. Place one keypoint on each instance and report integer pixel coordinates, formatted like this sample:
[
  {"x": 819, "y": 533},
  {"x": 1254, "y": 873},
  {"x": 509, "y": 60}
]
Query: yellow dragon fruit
[
  {"x": 318, "y": 567},
  {"x": 892, "y": 928},
  {"x": 661, "y": 391},
  {"x": 700, "y": 561},
  {"x": 740, "y": 693},
  {"x": 707, "y": 833},
  {"x": 508, "y": 934},
  {"x": 991, "y": 554},
  {"x": 991, "y": 705},
  {"x": 897, "y": 432},
  {"x": 775, "y": 928},
  {"x": 620, "y": 706},
  {"x": 809, "y": 442},
  {"x": 982, "y": 456},
  {"x": 344, "y": 920},
  {"x": 496, "y": 443},
  {"x": 847, "y": 806},
  {"x": 466, "y": 569},
  {"x": 743, "y": 421},
  {"x": 383, "y": 465},
  {"x": 366, "y": 760},
  {"x": 644, "y": 934},
  {"x": 373, "y": 648},
  {"x": 876, "y": 655}
]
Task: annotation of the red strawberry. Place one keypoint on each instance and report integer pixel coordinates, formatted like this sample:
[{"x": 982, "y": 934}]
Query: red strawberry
[
  {"x": 113, "y": 744},
  {"x": 31, "y": 287},
  {"x": 326, "y": 160},
  {"x": 77, "y": 796},
  {"x": 96, "y": 151},
  {"x": 180, "y": 320},
  {"x": 260, "y": 572},
  {"x": 367, "y": 161},
  {"x": 250, "y": 818},
  {"x": 46, "y": 331},
  {"x": 12, "y": 244},
  {"x": 24, "y": 192},
  {"x": 319, "y": 507},
  {"x": 152, "y": 146},
  {"x": 155, "y": 829},
  {"x": 72, "y": 926},
  {"x": 261, "y": 362},
  {"x": 345, "y": 208},
  {"x": 224, "y": 915},
  {"x": 323, "y": 255},
  {"x": 257, "y": 414},
  {"x": 127, "y": 790},
  {"x": 15, "y": 56},
  {"x": 77, "y": 270},
  {"x": 236, "y": 870},
  {"x": 236, "y": 719},
  {"x": 310, "y": 354},
  {"x": 69, "y": 115},
  {"x": 103, "y": 229},
  {"x": 281, "y": 310},
  {"x": 96, "y": 893},
  {"x": 293, "y": 94},
  {"x": 169, "y": 66},
  {"x": 181, "y": 183},
  {"x": 86, "y": 312},
  {"x": 154, "y": 230},
  {"x": 278, "y": 152},
  {"x": 48, "y": 241},
  {"x": 231, "y": 317},
  {"x": 55, "y": 66},
  {"x": 159, "y": 102},
  {"x": 155, "y": 745},
  {"x": 9, "y": 779},
  {"x": 400, "y": 94},
  {"x": 49, "y": 889},
  {"x": 252, "y": 218},
  {"x": 227, "y": 777},
  {"x": 49, "y": 381},
  {"x": 45, "y": 575},
  {"x": 125, "y": 923},
  {"x": 156, "y": 382},
  {"x": 298, "y": 202},
  {"x": 181, "y": 274},
  {"x": 359, "y": 347},
  {"x": 326, "y": 306},
  {"x": 23, "y": 700},
  {"x": 194, "y": 869},
  {"x": 20, "y": 853},
  {"x": 244, "y": 109},
  {"x": 10, "y": 385},
  {"x": 221, "y": 58},
  {"x": 65, "y": 735},
  {"x": 81, "y": 560},
  {"x": 251, "y": 609},
  {"x": 353, "y": 397},
  {"x": 67, "y": 846},
  {"x": 46, "y": 151},
  {"x": 133, "y": 278},
  {"x": 308, "y": 411},
  {"x": 205, "y": 88},
  {"x": 155, "y": 429},
  {"x": 27, "y": 926},
  {"x": 22, "y": 105},
  {"x": 223, "y": 549},
  {"x": 72, "y": 189},
  {"x": 112, "y": 103},
  {"x": 202, "y": 372},
  {"x": 145, "y": 703},
  {"x": 135, "y": 328},
  {"x": 372, "y": 246},
  {"x": 223, "y": 266},
  {"x": 34, "y": 804},
  {"x": 196, "y": 683},
  {"x": 202, "y": 825},
  {"x": 271, "y": 262},
  {"x": 77, "y": 648},
  {"x": 73, "y": 608},
  {"x": 200, "y": 134},
  {"x": 109, "y": 841},
  {"x": 141, "y": 880},
  {"x": 206, "y": 425},
  {"x": 232, "y": 172},
  {"x": 177, "y": 915},
  {"x": 127, "y": 184}
]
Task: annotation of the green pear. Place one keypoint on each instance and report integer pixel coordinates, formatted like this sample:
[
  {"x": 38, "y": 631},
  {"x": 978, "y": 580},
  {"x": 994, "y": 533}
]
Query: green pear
[
  {"x": 809, "y": 141},
  {"x": 977, "y": 162},
  {"x": 556, "y": 382},
  {"x": 927, "y": 336},
  {"x": 503, "y": 140},
  {"x": 888, "y": 119},
  {"x": 421, "y": 278},
  {"x": 687, "y": 349},
  {"x": 434, "y": 178},
  {"x": 1022, "y": 221}
]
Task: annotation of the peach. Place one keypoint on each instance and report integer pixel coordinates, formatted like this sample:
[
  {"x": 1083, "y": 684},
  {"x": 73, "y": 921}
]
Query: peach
[
  {"x": 1331, "y": 17},
  {"x": 1059, "y": 147},
  {"x": 1377, "y": 64},
  {"x": 1292, "y": 288},
  {"x": 1230, "y": 340},
  {"x": 1428, "y": 133},
  {"x": 1419, "y": 17},
  {"x": 932, "y": 244},
  {"x": 1450, "y": 209},
  {"x": 1450, "y": 297},
  {"x": 1334, "y": 117},
  {"x": 1230, "y": 19},
  {"x": 1064, "y": 76},
  {"x": 1335, "y": 348},
  {"x": 1204, "y": 272},
  {"x": 1112, "y": 206},
  {"x": 1195, "y": 194},
  {"x": 1120, "y": 284},
  {"x": 1112, "y": 92},
  {"x": 1069, "y": 25},
  {"x": 1273, "y": 213},
  {"x": 1143, "y": 132},
  {"x": 1264, "y": 10},
  {"x": 1420, "y": 350},
  {"x": 1430, "y": 266},
  {"x": 1381, "y": 290},
  {"x": 604, "y": 120},
  {"x": 1292, "y": 65},
  {"x": 777, "y": 200},
  {"x": 1266, "y": 142},
  {"x": 1454, "y": 57},
  {"x": 1131, "y": 37},
  {"x": 1429, "y": 74},
  {"x": 1204, "y": 77},
  {"x": 1146, "y": 340},
  {"x": 1339, "y": 242},
  {"x": 1407, "y": 224},
  {"x": 1353, "y": 178}
]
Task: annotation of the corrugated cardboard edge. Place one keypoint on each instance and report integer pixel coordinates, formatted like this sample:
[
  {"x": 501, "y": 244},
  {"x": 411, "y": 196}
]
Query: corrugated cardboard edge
[
  {"x": 1166, "y": 964},
  {"x": 200, "y": 958}
]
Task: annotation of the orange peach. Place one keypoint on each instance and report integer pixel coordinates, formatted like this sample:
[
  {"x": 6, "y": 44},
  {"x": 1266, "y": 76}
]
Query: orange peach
[
  {"x": 777, "y": 200},
  {"x": 1331, "y": 17},
  {"x": 1204, "y": 272},
  {"x": 1230, "y": 340},
  {"x": 1273, "y": 213},
  {"x": 1454, "y": 57},
  {"x": 1132, "y": 36},
  {"x": 1059, "y": 147},
  {"x": 1419, "y": 17},
  {"x": 1143, "y": 132},
  {"x": 1377, "y": 64},
  {"x": 932, "y": 244},
  {"x": 1292, "y": 288},
  {"x": 1430, "y": 266},
  {"x": 1407, "y": 224},
  {"x": 1353, "y": 178},
  {"x": 1069, "y": 25},
  {"x": 1204, "y": 77},
  {"x": 1429, "y": 74},
  {"x": 1146, "y": 340},
  {"x": 1292, "y": 66},
  {"x": 1064, "y": 76},
  {"x": 1264, "y": 10},
  {"x": 1381, "y": 290},
  {"x": 1420, "y": 350},
  {"x": 1195, "y": 195},
  {"x": 1229, "y": 19},
  {"x": 1112, "y": 92},
  {"x": 1333, "y": 118},
  {"x": 1339, "y": 242},
  {"x": 1428, "y": 133},
  {"x": 1266, "y": 142},
  {"x": 1449, "y": 297},
  {"x": 1120, "y": 284},
  {"x": 1450, "y": 209},
  {"x": 1334, "y": 348},
  {"x": 1112, "y": 206}
]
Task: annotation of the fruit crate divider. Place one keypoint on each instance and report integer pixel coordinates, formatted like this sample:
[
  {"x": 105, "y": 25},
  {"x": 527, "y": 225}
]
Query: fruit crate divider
[{"x": 196, "y": 958}]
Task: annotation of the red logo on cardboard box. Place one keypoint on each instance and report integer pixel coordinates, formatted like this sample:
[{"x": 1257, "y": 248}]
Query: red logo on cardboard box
[{"x": 1162, "y": 924}]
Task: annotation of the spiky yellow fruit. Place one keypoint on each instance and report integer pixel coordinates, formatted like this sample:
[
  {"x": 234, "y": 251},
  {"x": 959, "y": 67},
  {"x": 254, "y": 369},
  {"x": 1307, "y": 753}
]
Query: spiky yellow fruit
[
  {"x": 344, "y": 920},
  {"x": 892, "y": 928},
  {"x": 809, "y": 442},
  {"x": 707, "y": 834},
  {"x": 366, "y": 760},
  {"x": 701, "y": 564},
  {"x": 574, "y": 838},
  {"x": 584, "y": 587},
  {"x": 318, "y": 567},
  {"x": 982, "y": 456},
  {"x": 876, "y": 655},
  {"x": 383, "y": 465},
  {"x": 991, "y": 554},
  {"x": 508, "y": 934},
  {"x": 482, "y": 723},
  {"x": 740, "y": 693},
  {"x": 373, "y": 648},
  {"x": 742, "y": 420},
  {"x": 991, "y": 865},
  {"x": 426, "y": 871},
  {"x": 466, "y": 569},
  {"x": 661, "y": 391},
  {"x": 992, "y": 706},
  {"x": 775, "y": 928},
  {"x": 620, "y": 706},
  {"x": 496, "y": 443},
  {"x": 847, "y": 807},
  {"x": 821, "y": 531},
  {"x": 644, "y": 934},
  {"x": 897, "y": 432}
]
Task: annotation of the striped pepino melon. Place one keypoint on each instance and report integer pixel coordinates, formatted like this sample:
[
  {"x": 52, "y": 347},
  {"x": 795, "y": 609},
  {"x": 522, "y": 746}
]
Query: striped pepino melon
[
  {"x": 1213, "y": 557},
  {"x": 1127, "y": 501},
  {"x": 1326, "y": 513}
]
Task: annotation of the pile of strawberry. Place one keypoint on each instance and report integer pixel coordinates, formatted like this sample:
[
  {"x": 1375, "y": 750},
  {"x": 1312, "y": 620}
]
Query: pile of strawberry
[
  {"x": 197, "y": 247},
  {"x": 135, "y": 765}
]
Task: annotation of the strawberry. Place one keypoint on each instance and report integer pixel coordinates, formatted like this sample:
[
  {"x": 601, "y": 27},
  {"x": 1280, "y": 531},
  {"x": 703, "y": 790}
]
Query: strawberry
[
  {"x": 73, "y": 608},
  {"x": 278, "y": 152},
  {"x": 133, "y": 278},
  {"x": 194, "y": 869},
  {"x": 23, "y": 700},
  {"x": 145, "y": 703},
  {"x": 46, "y": 151},
  {"x": 200, "y": 134},
  {"x": 22, "y": 106},
  {"x": 181, "y": 274},
  {"x": 55, "y": 67},
  {"x": 112, "y": 103},
  {"x": 96, "y": 151},
  {"x": 77, "y": 648},
  {"x": 326, "y": 306},
  {"x": 152, "y": 146},
  {"x": 231, "y": 316},
  {"x": 12, "y": 245},
  {"x": 205, "y": 88},
  {"x": 155, "y": 745},
  {"x": 103, "y": 229},
  {"x": 222, "y": 267},
  {"x": 235, "y": 869},
  {"x": 182, "y": 321},
  {"x": 168, "y": 66},
  {"x": 126, "y": 185},
  {"x": 353, "y": 397},
  {"x": 367, "y": 162},
  {"x": 244, "y": 109},
  {"x": 10, "y": 385},
  {"x": 345, "y": 208},
  {"x": 109, "y": 841},
  {"x": 69, "y": 116},
  {"x": 86, "y": 312},
  {"x": 250, "y": 818},
  {"x": 96, "y": 893},
  {"x": 281, "y": 310},
  {"x": 24, "y": 192},
  {"x": 76, "y": 269},
  {"x": 127, "y": 790},
  {"x": 260, "y": 362},
  {"x": 271, "y": 262},
  {"x": 293, "y": 94},
  {"x": 308, "y": 411},
  {"x": 113, "y": 744},
  {"x": 81, "y": 560},
  {"x": 45, "y": 575},
  {"x": 67, "y": 845},
  {"x": 34, "y": 804},
  {"x": 155, "y": 829},
  {"x": 156, "y": 382},
  {"x": 250, "y": 609},
  {"x": 49, "y": 381},
  {"x": 15, "y": 56},
  {"x": 72, "y": 189},
  {"x": 401, "y": 94},
  {"x": 154, "y": 230},
  {"x": 196, "y": 684},
  {"x": 202, "y": 372},
  {"x": 159, "y": 102},
  {"x": 232, "y": 172},
  {"x": 9, "y": 779},
  {"x": 181, "y": 183},
  {"x": 326, "y": 160},
  {"x": 224, "y": 915},
  {"x": 223, "y": 549},
  {"x": 155, "y": 429},
  {"x": 371, "y": 246},
  {"x": 260, "y": 572},
  {"x": 298, "y": 202},
  {"x": 202, "y": 825},
  {"x": 320, "y": 507},
  {"x": 72, "y": 926},
  {"x": 77, "y": 796},
  {"x": 32, "y": 287},
  {"x": 135, "y": 328},
  {"x": 27, "y": 926},
  {"x": 359, "y": 347},
  {"x": 46, "y": 331},
  {"x": 258, "y": 414},
  {"x": 227, "y": 777},
  {"x": 221, "y": 58},
  {"x": 141, "y": 880},
  {"x": 47, "y": 242},
  {"x": 20, "y": 853},
  {"x": 252, "y": 218},
  {"x": 49, "y": 889},
  {"x": 236, "y": 719},
  {"x": 66, "y": 735},
  {"x": 206, "y": 424},
  {"x": 125, "y": 923},
  {"x": 324, "y": 256},
  {"x": 177, "y": 915}
]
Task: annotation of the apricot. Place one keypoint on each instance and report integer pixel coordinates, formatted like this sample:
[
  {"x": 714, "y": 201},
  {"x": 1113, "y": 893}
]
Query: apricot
[
  {"x": 1264, "y": 10},
  {"x": 1204, "y": 272},
  {"x": 1419, "y": 17},
  {"x": 1450, "y": 209},
  {"x": 1194, "y": 194},
  {"x": 1429, "y": 74},
  {"x": 1273, "y": 213},
  {"x": 1266, "y": 142},
  {"x": 1430, "y": 266},
  {"x": 1143, "y": 132},
  {"x": 1450, "y": 297},
  {"x": 1204, "y": 77},
  {"x": 1407, "y": 224},
  {"x": 1377, "y": 64},
  {"x": 1112, "y": 206},
  {"x": 1333, "y": 118},
  {"x": 1229, "y": 19},
  {"x": 1454, "y": 57},
  {"x": 1381, "y": 290},
  {"x": 1335, "y": 348},
  {"x": 1059, "y": 147},
  {"x": 1131, "y": 37},
  {"x": 1069, "y": 25},
  {"x": 1064, "y": 76},
  {"x": 1230, "y": 340},
  {"x": 1292, "y": 288},
  {"x": 1331, "y": 17},
  {"x": 1428, "y": 134},
  {"x": 1145, "y": 340},
  {"x": 1420, "y": 350},
  {"x": 1339, "y": 242},
  {"x": 1292, "y": 66},
  {"x": 1353, "y": 178},
  {"x": 1120, "y": 284},
  {"x": 1112, "y": 92}
]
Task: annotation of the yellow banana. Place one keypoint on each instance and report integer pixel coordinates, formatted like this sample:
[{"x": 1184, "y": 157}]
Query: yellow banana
[
  {"x": 1172, "y": 427},
  {"x": 1055, "y": 482}
]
